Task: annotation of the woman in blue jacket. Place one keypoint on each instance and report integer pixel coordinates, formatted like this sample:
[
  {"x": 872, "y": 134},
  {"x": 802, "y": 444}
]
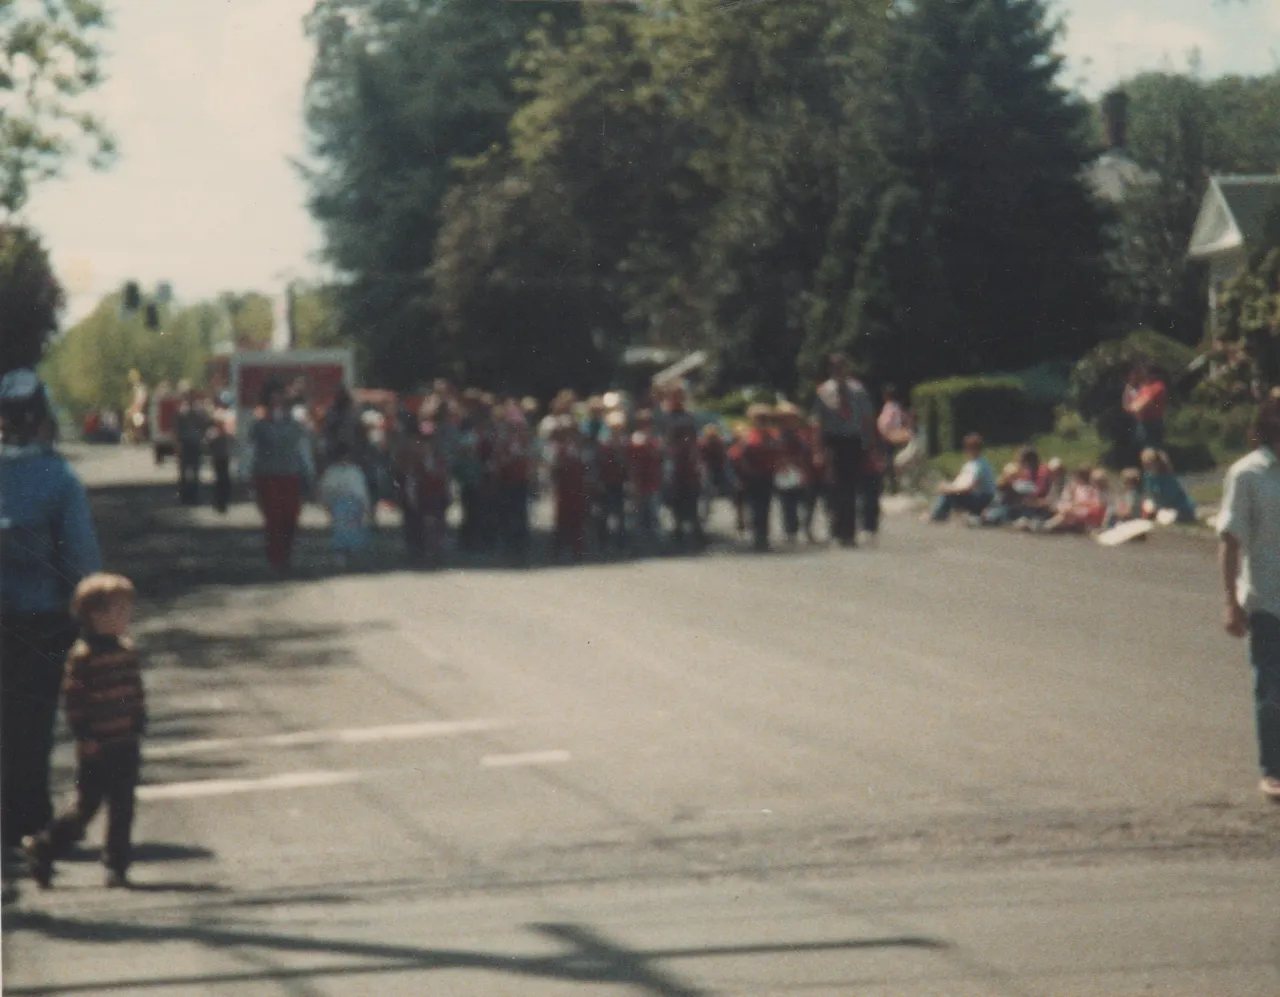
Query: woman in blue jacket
[{"x": 47, "y": 545}]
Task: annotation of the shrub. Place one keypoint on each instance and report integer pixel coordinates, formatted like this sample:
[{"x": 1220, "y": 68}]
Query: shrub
[
  {"x": 1098, "y": 380},
  {"x": 734, "y": 404},
  {"x": 1229, "y": 427},
  {"x": 1068, "y": 423},
  {"x": 996, "y": 407}
]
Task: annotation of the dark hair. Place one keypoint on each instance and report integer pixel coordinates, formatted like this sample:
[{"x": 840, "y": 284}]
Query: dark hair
[
  {"x": 890, "y": 393},
  {"x": 21, "y": 420},
  {"x": 272, "y": 388},
  {"x": 1028, "y": 455}
]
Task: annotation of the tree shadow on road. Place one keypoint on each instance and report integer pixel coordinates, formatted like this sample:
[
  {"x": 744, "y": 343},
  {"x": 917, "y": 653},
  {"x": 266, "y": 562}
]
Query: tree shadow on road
[
  {"x": 587, "y": 956},
  {"x": 174, "y": 552}
]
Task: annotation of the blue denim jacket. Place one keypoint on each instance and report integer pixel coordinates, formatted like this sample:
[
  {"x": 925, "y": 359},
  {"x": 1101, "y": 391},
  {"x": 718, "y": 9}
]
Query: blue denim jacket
[{"x": 47, "y": 543}]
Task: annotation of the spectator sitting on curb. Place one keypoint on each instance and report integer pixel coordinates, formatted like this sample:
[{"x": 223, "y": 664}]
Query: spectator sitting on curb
[
  {"x": 1163, "y": 490},
  {"x": 973, "y": 488}
]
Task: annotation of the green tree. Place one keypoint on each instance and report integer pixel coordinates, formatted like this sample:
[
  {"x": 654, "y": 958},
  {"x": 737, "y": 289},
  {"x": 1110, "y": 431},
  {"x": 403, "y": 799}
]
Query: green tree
[
  {"x": 30, "y": 298},
  {"x": 899, "y": 320},
  {"x": 399, "y": 90},
  {"x": 88, "y": 368},
  {"x": 975, "y": 118},
  {"x": 49, "y": 58}
]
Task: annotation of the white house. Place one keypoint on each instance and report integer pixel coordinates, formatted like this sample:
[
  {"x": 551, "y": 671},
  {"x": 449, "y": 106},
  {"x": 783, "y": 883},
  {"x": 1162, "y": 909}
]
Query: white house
[{"x": 1230, "y": 221}]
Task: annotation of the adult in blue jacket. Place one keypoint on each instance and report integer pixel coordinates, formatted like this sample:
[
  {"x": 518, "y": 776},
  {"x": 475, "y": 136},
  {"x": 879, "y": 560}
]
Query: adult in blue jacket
[{"x": 47, "y": 545}]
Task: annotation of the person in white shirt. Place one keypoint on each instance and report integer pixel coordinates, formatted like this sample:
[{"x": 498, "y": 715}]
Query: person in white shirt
[
  {"x": 1249, "y": 554},
  {"x": 973, "y": 488}
]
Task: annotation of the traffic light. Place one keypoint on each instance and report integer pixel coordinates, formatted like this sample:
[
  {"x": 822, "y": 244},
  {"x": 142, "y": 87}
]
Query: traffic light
[
  {"x": 132, "y": 296},
  {"x": 153, "y": 315}
]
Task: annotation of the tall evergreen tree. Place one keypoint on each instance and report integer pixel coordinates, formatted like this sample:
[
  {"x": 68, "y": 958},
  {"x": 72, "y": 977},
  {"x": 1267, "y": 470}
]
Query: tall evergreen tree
[
  {"x": 977, "y": 122},
  {"x": 900, "y": 321}
]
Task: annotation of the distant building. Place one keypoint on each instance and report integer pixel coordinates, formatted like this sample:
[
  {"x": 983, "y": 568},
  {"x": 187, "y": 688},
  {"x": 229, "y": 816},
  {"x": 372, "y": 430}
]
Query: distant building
[{"x": 1230, "y": 222}]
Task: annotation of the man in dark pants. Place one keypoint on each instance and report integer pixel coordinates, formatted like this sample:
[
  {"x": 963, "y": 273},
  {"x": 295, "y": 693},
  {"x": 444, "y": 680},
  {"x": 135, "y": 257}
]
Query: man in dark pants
[
  {"x": 190, "y": 427},
  {"x": 845, "y": 413},
  {"x": 47, "y": 545},
  {"x": 1249, "y": 553}
]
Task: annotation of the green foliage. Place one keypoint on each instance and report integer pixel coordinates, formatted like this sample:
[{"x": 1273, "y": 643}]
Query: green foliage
[
  {"x": 974, "y": 118},
  {"x": 1229, "y": 427},
  {"x": 30, "y": 298},
  {"x": 49, "y": 55},
  {"x": 1250, "y": 315},
  {"x": 1182, "y": 129},
  {"x": 949, "y": 409},
  {"x": 1097, "y": 383},
  {"x": 89, "y": 367},
  {"x": 1069, "y": 424},
  {"x": 900, "y": 321},
  {"x": 399, "y": 90},
  {"x": 252, "y": 318}
]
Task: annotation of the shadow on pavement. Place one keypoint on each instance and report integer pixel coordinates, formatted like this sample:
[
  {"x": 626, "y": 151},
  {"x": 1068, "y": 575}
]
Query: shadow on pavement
[
  {"x": 172, "y": 552},
  {"x": 588, "y": 956}
]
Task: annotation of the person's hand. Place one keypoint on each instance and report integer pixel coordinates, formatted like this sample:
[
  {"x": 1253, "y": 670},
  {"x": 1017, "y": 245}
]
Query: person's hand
[{"x": 1235, "y": 620}]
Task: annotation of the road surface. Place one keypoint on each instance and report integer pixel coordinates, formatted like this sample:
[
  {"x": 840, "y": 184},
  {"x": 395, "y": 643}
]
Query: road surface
[{"x": 962, "y": 762}]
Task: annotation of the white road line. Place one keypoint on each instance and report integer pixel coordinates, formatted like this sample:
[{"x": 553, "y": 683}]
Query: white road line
[
  {"x": 525, "y": 758},
  {"x": 310, "y": 738},
  {"x": 228, "y": 787}
]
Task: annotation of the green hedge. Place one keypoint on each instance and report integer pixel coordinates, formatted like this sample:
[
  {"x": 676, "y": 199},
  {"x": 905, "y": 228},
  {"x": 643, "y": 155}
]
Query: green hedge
[{"x": 996, "y": 407}]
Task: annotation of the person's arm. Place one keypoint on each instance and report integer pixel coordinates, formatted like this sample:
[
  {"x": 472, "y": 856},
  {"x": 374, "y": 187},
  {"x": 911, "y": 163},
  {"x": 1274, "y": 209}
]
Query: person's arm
[
  {"x": 1234, "y": 521},
  {"x": 1234, "y": 620}
]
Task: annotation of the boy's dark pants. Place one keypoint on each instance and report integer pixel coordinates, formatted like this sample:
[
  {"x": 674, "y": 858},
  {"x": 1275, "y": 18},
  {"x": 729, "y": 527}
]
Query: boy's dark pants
[
  {"x": 221, "y": 483},
  {"x": 611, "y": 507},
  {"x": 111, "y": 775},
  {"x": 189, "y": 473},
  {"x": 684, "y": 512},
  {"x": 790, "y": 499},
  {"x": 845, "y": 457},
  {"x": 759, "y": 495}
]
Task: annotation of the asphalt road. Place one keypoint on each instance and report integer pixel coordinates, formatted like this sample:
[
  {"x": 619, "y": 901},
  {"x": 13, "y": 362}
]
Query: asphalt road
[{"x": 961, "y": 762}]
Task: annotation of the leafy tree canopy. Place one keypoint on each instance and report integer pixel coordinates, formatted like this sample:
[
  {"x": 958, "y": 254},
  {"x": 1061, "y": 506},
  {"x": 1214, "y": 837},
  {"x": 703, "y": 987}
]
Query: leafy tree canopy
[
  {"x": 30, "y": 298},
  {"x": 49, "y": 58}
]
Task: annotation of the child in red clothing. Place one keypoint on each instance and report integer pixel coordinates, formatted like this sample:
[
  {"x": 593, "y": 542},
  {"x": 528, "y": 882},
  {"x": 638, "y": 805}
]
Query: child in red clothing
[
  {"x": 644, "y": 460},
  {"x": 755, "y": 458},
  {"x": 686, "y": 483},
  {"x": 794, "y": 468},
  {"x": 611, "y": 476},
  {"x": 569, "y": 480}
]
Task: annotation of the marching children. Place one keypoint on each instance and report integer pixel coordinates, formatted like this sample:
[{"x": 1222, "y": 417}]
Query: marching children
[
  {"x": 686, "y": 482},
  {"x": 513, "y": 470},
  {"x": 611, "y": 482},
  {"x": 755, "y": 461},
  {"x": 344, "y": 492},
  {"x": 569, "y": 472},
  {"x": 106, "y": 710},
  {"x": 644, "y": 462},
  {"x": 795, "y": 468}
]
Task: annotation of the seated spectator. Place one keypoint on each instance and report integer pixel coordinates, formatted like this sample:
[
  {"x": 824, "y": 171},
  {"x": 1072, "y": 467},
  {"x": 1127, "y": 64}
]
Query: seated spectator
[
  {"x": 1126, "y": 504},
  {"x": 973, "y": 488},
  {"x": 1083, "y": 505},
  {"x": 1010, "y": 489},
  {"x": 1162, "y": 489}
]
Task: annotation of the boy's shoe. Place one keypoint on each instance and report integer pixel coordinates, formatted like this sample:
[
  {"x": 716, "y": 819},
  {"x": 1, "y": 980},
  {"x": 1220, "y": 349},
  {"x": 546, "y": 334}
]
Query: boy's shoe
[
  {"x": 38, "y": 861},
  {"x": 116, "y": 880},
  {"x": 1270, "y": 788}
]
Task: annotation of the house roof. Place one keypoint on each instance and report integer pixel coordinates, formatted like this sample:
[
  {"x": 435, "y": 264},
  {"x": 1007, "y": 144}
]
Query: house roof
[{"x": 1232, "y": 214}]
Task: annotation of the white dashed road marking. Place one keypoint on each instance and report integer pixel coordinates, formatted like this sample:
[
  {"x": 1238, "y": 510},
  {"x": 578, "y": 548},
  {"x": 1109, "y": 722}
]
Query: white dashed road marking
[
  {"x": 229, "y": 787},
  {"x": 310, "y": 738},
  {"x": 525, "y": 758}
]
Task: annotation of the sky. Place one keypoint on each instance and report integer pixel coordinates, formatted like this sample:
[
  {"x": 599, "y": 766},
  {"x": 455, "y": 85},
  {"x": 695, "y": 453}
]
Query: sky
[{"x": 205, "y": 98}]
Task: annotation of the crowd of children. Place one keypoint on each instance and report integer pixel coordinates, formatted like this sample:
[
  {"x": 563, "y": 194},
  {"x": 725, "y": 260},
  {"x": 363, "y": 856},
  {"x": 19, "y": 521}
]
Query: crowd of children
[
  {"x": 1047, "y": 498},
  {"x": 613, "y": 470}
]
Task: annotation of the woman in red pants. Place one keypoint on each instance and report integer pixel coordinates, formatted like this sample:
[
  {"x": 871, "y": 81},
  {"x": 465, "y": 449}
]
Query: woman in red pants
[{"x": 282, "y": 467}]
